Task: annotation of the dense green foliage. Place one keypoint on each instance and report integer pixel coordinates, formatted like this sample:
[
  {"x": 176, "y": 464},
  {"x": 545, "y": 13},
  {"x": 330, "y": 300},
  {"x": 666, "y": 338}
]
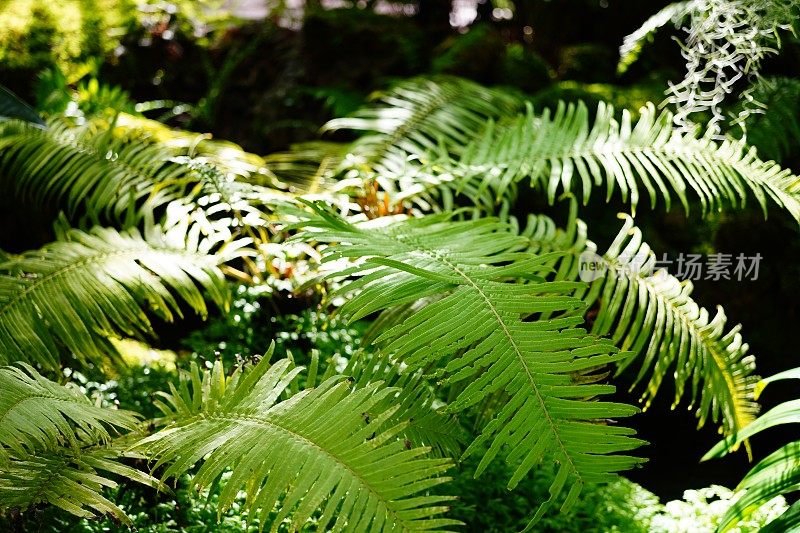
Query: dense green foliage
[{"x": 409, "y": 327}]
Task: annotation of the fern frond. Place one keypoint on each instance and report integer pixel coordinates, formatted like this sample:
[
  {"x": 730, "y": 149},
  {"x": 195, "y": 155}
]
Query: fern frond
[
  {"x": 54, "y": 444},
  {"x": 777, "y": 474},
  {"x": 565, "y": 152},
  {"x": 77, "y": 292},
  {"x": 76, "y": 167},
  {"x": 650, "y": 314},
  {"x": 653, "y": 315},
  {"x": 70, "y": 480},
  {"x": 316, "y": 449},
  {"x": 117, "y": 173},
  {"x": 419, "y": 116},
  {"x": 38, "y": 414},
  {"x": 228, "y": 157},
  {"x": 476, "y": 333}
]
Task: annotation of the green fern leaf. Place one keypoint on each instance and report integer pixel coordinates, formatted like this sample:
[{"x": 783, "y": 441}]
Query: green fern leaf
[
  {"x": 476, "y": 334},
  {"x": 70, "y": 480},
  {"x": 77, "y": 292},
  {"x": 83, "y": 167},
  {"x": 54, "y": 444},
  {"x": 38, "y": 414},
  {"x": 564, "y": 152},
  {"x": 653, "y": 315},
  {"x": 316, "y": 449},
  {"x": 426, "y": 422},
  {"x": 650, "y": 314}
]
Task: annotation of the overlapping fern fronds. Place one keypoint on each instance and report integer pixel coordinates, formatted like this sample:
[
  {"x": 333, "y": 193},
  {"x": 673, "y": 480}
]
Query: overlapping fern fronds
[
  {"x": 463, "y": 148},
  {"x": 68, "y": 479},
  {"x": 411, "y": 124},
  {"x": 39, "y": 414},
  {"x": 329, "y": 448},
  {"x": 426, "y": 423},
  {"x": 649, "y": 313},
  {"x": 228, "y": 157},
  {"x": 726, "y": 42},
  {"x": 308, "y": 167},
  {"x": 115, "y": 173},
  {"x": 482, "y": 333},
  {"x": 56, "y": 447},
  {"x": 653, "y": 314},
  {"x": 75, "y": 293}
]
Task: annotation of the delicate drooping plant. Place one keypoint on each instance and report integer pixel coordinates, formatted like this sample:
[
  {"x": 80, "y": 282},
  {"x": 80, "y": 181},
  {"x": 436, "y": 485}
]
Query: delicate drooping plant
[{"x": 725, "y": 43}]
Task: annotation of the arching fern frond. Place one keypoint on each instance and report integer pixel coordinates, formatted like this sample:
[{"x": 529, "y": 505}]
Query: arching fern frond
[
  {"x": 39, "y": 414},
  {"x": 563, "y": 151},
  {"x": 652, "y": 314},
  {"x": 418, "y": 116},
  {"x": 117, "y": 173},
  {"x": 82, "y": 167},
  {"x": 648, "y": 313},
  {"x": 77, "y": 292},
  {"x": 229, "y": 157},
  {"x": 316, "y": 449},
  {"x": 477, "y": 334},
  {"x": 56, "y": 447}
]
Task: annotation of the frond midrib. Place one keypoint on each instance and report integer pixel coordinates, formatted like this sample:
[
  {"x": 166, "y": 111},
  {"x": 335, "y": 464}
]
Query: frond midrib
[
  {"x": 518, "y": 353},
  {"x": 668, "y": 149}
]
